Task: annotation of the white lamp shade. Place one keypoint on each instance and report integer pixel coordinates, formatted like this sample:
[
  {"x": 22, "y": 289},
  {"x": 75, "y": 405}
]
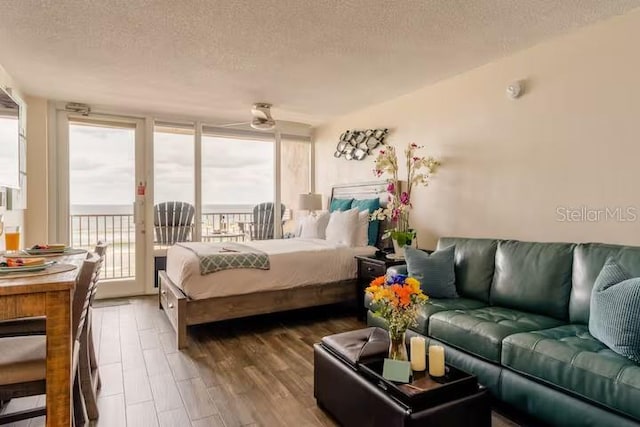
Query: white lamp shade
[{"x": 310, "y": 202}]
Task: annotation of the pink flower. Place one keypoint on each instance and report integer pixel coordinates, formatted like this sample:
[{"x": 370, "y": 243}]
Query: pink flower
[
  {"x": 381, "y": 151},
  {"x": 415, "y": 159},
  {"x": 395, "y": 214},
  {"x": 391, "y": 188},
  {"x": 404, "y": 198}
]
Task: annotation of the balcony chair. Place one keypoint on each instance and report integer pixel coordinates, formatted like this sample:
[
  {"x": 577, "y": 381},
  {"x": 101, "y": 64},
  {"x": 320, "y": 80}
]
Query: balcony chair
[
  {"x": 23, "y": 367},
  {"x": 262, "y": 226},
  {"x": 173, "y": 222}
]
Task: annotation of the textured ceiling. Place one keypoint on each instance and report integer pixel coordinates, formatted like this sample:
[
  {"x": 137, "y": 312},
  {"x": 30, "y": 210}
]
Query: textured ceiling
[{"x": 313, "y": 59}]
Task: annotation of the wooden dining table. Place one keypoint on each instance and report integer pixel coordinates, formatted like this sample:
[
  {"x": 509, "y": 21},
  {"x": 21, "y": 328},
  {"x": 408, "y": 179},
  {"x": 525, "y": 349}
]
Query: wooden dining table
[{"x": 49, "y": 295}]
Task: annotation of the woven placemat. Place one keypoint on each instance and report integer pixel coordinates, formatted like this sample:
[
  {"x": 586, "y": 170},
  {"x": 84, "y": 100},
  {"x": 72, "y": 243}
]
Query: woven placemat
[
  {"x": 68, "y": 252},
  {"x": 54, "y": 269}
]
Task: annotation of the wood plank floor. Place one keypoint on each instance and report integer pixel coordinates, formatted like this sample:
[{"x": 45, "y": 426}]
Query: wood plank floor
[{"x": 247, "y": 372}]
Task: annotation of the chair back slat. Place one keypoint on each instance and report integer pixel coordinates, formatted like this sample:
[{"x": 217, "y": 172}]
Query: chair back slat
[
  {"x": 81, "y": 295},
  {"x": 263, "y": 214},
  {"x": 173, "y": 222},
  {"x": 100, "y": 250}
]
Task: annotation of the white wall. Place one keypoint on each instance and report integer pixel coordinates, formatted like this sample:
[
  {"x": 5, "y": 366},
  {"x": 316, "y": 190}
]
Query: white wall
[{"x": 572, "y": 140}]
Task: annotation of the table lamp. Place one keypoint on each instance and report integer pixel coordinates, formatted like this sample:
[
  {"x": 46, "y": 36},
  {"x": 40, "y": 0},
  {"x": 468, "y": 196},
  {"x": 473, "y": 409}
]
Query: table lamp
[{"x": 310, "y": 202}]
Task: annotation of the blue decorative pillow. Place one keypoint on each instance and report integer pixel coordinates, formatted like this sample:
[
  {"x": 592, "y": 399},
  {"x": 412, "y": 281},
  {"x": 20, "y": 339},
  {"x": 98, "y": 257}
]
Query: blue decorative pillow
[
  {"x": 434, "y": 271},
  {"x": 340, "y": 205},
  {"x": 614, "y": 316},
  {"x": 374, "y": 226}
]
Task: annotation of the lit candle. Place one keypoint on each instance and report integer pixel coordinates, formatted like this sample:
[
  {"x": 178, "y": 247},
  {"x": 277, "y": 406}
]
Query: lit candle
[
  {"x": 436, "y": 360},
  {"x": 418, "y": 354}
]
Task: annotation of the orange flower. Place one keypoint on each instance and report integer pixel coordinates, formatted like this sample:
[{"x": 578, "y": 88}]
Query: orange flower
[{"x": 378, "y": 281}]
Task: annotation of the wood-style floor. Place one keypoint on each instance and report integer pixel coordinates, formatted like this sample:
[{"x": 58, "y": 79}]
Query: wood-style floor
[{"x": 249, "y": 372}]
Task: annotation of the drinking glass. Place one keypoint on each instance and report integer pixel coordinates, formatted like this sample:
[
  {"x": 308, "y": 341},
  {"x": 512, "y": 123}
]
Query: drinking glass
[{"x": 12, "y": 238}]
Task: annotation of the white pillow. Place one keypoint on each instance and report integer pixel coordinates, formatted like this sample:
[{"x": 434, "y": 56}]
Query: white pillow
[
  {"x": 314, "y": 227},
  {"x": 362, "y": 236},
  {"x": 343, "y": 227}
]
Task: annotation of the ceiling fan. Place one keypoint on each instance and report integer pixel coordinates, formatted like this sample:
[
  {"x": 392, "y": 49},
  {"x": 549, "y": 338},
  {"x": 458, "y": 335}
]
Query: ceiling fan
[{"x": 261, "y": 118}]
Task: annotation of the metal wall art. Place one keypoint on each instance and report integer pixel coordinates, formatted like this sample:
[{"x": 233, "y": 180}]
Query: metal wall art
[{"x": 357, "y": 144}]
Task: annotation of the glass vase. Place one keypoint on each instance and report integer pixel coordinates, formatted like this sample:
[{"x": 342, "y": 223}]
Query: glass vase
[{"x": 397, "y": 345}]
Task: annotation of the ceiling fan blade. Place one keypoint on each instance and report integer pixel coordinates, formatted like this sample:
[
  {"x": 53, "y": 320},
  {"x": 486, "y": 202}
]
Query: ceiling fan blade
[{"x": 227, "y": 125}]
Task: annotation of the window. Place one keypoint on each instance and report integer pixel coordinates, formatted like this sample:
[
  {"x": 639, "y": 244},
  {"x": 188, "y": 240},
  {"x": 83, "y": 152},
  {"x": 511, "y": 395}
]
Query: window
[
  {"x": 174, "y": 164},
  {"x": 237, "y": 174}
]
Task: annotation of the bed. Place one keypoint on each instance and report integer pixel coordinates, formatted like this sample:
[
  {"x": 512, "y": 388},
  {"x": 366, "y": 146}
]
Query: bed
[{"x": 298, "y": 277}]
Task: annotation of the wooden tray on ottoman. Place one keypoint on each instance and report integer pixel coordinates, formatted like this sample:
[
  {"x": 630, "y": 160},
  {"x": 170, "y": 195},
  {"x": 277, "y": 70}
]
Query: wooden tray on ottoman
[{"x": 423, "y": 391}]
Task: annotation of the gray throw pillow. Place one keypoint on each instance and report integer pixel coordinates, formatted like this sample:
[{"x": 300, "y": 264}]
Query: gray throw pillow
[
  {"x": 434, "y": 271},
  {"x": 614, "y": 316}
]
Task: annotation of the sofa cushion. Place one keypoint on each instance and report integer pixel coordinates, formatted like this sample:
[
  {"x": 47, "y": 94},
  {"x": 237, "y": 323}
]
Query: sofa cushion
[
  {"x": 431, "y": 307},
  {"x": 482, "y": 330},
  {"x": 615, "y": 311},
  {"x": 434, "y": 271},
  {"x": 588, "y": 260},
  {"x": 474, "y": 265},
  {"x": 534, "y": 277},
  {"x": 569, "y": 358}
]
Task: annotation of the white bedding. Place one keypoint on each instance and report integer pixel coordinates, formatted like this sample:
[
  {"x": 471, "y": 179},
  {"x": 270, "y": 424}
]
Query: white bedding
[{"x": 294, "y": 262}]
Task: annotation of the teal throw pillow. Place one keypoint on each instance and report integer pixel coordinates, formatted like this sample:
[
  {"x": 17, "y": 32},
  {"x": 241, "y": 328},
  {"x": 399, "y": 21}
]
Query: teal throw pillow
[
  {"x": 374, "y": 226},
  {"x": 435, "y": 271},
  {"x": 340, "y": 205},
  {"x": 614, "y": 316}
]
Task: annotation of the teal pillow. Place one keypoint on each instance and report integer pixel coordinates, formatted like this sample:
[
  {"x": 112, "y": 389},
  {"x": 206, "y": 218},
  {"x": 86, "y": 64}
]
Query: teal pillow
[
  {"x": 615, "y": 310},
  {"x": 340, "y": 205},
  {"x": 435, "y": 271},
  {"x": 374, "y": 226}
]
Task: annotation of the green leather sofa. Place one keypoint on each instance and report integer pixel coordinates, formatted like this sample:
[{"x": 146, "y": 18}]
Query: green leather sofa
[{"x": 521, "y": 325}]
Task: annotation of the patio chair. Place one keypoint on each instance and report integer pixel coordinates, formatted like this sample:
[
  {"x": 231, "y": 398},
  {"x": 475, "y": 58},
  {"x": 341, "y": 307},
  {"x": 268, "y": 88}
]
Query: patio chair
[
  {"x": 173, "y": 222},
  {"x": 262, "y": 226}
]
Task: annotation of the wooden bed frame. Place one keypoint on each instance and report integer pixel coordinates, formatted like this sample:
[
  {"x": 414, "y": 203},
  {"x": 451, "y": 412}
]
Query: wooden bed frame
[{"x": 183, "y": 311}]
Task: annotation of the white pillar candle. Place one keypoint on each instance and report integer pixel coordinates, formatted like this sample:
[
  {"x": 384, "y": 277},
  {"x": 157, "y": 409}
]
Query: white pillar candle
[
  {"x": 436, "y": 360},
  {"x": 418, "y": 354}
]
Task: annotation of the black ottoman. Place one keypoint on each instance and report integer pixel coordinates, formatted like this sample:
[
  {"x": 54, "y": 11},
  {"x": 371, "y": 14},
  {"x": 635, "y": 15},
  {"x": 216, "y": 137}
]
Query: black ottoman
[{"x": 354, "y": 399}]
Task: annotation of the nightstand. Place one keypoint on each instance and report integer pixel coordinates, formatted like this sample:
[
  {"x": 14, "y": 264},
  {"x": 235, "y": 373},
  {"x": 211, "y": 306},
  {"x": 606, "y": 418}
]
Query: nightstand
[{"x": 370, "y": 267}]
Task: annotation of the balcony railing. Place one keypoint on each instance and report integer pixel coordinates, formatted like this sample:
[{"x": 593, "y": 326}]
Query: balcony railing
[{"x": 118, "y": 230}]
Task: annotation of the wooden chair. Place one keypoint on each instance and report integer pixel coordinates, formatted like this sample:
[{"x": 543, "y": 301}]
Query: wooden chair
[
  {"x": 89, "y": 373},
  {"x": 173, "y": 222},
  {"x": 36, "y": 325},
  {"x": 23, "y": 366},
  {"x": 263, "y": 214}
]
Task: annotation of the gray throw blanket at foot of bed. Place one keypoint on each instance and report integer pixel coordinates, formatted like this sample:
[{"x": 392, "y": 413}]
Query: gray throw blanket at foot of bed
[{"x": 226, "y": 256}]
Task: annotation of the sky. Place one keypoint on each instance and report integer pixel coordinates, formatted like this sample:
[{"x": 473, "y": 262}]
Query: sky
[{"x": 101, "y": 161}]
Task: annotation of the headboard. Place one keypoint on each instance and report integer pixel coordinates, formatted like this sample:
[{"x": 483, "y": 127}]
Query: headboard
[{"x": 363, "y": 190}]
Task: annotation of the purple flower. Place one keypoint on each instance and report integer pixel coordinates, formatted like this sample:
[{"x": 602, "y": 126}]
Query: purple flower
[
  {"x": 404, "y": 198},
  {"x": 396, "y": 279},
  {"x": 395, "y": 214},
  {"x": 391, "y": 188}
]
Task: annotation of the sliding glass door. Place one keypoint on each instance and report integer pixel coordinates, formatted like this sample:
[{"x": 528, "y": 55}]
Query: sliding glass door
[{"x": 104, "y": 175}]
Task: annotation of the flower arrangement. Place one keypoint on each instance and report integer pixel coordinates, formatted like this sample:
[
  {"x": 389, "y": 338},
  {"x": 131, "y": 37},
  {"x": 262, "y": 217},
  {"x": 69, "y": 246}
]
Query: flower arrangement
[
  {"x": 397, "y": 298},
  {"x": 419, "y": 172}
]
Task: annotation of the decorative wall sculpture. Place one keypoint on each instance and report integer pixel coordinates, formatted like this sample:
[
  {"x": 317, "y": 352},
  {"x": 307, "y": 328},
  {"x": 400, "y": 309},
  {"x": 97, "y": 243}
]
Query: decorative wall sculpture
[{"x": 357, "y": 144}]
